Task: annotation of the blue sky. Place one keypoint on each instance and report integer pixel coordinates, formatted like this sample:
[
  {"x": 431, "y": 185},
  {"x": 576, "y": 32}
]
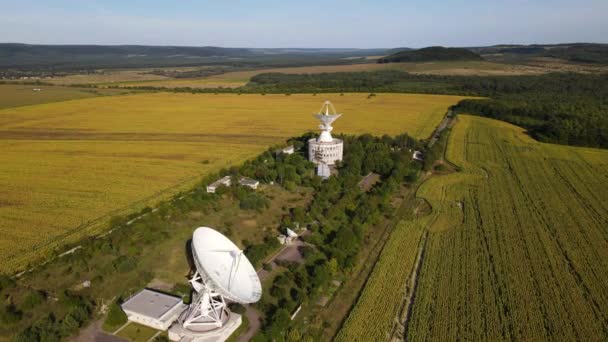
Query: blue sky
[{"x": 361, "y": 24}]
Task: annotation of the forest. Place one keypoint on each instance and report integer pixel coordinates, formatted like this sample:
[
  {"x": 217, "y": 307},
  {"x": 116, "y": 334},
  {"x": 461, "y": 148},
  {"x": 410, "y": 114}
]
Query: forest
[
  {"x": 563, "y": 108},
  {"x": 433, "y": 53}
]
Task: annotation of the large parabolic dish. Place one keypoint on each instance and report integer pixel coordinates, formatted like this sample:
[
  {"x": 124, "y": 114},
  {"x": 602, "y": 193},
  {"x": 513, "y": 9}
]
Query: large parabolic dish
[{"x": 224, "y": 267}]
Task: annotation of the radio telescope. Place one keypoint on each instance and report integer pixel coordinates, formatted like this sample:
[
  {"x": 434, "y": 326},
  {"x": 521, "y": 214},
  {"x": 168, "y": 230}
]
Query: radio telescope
[
  {"x": 222, "y": 273},
  {"x": 325, "y": 150}
]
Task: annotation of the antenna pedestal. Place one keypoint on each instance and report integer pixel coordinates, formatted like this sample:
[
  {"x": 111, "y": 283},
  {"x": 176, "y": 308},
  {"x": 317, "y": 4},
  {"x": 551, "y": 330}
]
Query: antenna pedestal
[
  {"x": 222, "y": 273},
  {"x": 208, "y": 309},
  {"x": 207, "y": 318}
]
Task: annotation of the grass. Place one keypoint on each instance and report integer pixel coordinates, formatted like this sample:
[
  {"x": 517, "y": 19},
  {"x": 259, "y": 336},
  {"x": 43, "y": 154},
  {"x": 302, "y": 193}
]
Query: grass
[
  {"x": 137, "y": 333},
  {"x": 517, "y": 242},
  {"x": 69, "y": 166},
  {"x": 16, "y": 95}
]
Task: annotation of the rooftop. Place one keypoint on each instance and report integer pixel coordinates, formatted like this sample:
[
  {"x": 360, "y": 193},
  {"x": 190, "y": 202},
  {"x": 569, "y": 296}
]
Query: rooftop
[
  {"x": 222, "y": 181},
  {"x": 248, "y": 181},
  {"x": 151, "y": 303}
]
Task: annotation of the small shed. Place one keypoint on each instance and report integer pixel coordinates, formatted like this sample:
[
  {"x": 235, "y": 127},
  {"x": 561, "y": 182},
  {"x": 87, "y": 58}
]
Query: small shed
[
  {"x": 153, "y": 309},
  {"x": 252, "y": 183},
  {"x": 417, "y": 155},
  {"x": 291, "y": 234},
  {"x": 222, "y": 181},
  {"x": 288, "y": 150},
  {"x": 289, "y": 237}
]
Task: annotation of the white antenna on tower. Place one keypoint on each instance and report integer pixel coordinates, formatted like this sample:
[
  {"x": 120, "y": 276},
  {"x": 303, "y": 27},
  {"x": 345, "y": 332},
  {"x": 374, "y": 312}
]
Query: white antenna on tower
[
  {"x": 327, "y": 115},
  {"x": 325, "y": 151}
]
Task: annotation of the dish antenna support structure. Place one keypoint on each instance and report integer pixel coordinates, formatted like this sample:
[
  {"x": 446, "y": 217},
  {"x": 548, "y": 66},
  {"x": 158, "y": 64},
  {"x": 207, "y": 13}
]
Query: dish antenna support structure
[
  {"x": 222, "y": 273},
  {"x": 208, "y": 307}
]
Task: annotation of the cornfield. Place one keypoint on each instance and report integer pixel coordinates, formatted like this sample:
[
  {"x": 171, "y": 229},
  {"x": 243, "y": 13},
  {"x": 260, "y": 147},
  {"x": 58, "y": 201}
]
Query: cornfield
[
  {"x": 518, "y": 242},
  {"x": 374, "y": 315}
]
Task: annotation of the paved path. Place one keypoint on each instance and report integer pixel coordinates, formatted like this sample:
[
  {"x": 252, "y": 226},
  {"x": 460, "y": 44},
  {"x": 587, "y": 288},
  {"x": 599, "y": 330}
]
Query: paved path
[{"x": 94, "y": 333}]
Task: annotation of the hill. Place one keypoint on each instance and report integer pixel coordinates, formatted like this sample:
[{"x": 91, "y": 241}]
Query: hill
[
  {"x": 78, "y": 57},
  {"x": 585, "y": 53},
  {"x": 434, "y": 53},
  {"x": 573, "y": 52}
]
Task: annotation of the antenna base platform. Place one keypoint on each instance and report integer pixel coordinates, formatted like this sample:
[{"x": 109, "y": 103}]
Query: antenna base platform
[{"x": 178, "y": 333}]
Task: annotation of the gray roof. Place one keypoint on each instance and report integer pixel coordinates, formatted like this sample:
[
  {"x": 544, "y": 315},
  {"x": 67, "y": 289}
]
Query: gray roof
[
  {"x": 151, "y": 303},
  {"x": 248, "y": 181},
  {"x": 222, "y": 181}
]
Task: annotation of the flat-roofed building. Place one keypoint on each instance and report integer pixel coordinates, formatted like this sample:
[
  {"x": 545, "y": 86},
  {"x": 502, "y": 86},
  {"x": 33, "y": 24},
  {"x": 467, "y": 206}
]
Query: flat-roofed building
[
  {"x": 252, "y": 183},
  {"x": 153, "y": 309},
  {"x": 225, "y": 181}
]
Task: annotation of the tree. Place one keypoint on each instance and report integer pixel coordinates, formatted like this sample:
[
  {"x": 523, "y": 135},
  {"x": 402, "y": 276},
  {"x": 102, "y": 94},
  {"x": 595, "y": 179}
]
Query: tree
[
  {"x": 279, "y": 324},
  {"x": 116, "y": 317}
]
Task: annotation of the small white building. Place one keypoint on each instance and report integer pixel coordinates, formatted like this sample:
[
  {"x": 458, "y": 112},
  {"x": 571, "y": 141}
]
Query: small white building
[
  {"x": 288, "y": 150},
  {"x": 289, "y": 237},
  {"x": 226, "y": 180},
  {"x": 417, "y": 155},
  {"x": 153, "y": 309},
  {"x": 252, "y": 183}
]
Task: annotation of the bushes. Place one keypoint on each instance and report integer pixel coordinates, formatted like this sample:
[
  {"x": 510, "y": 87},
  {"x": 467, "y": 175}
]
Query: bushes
[
  {"x": 254, "y": 201},
  {"x": 257, "y": 253},
  {"x": 33, "y": 299},
  {"x": 125, "y": 263},
  {"x": 115, "y": 318},
  {"x": 184, "y": 291},
  {"x": 9, "y": 314},
  {"x": 6, "y": 282}
]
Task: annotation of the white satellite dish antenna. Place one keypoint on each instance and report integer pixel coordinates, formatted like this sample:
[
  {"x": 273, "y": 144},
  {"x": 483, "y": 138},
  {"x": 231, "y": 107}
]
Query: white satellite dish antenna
[{"x": 222, "y": 272}]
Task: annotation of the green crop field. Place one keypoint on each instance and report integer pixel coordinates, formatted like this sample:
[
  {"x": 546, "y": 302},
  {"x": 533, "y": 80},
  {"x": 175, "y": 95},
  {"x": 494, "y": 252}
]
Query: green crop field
[
  {"x": 373, "y": 317},
  {"x": 518, "y": 242},
  {"x": 520, "y": 246},
  {"x": 68, "y": 167}
]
